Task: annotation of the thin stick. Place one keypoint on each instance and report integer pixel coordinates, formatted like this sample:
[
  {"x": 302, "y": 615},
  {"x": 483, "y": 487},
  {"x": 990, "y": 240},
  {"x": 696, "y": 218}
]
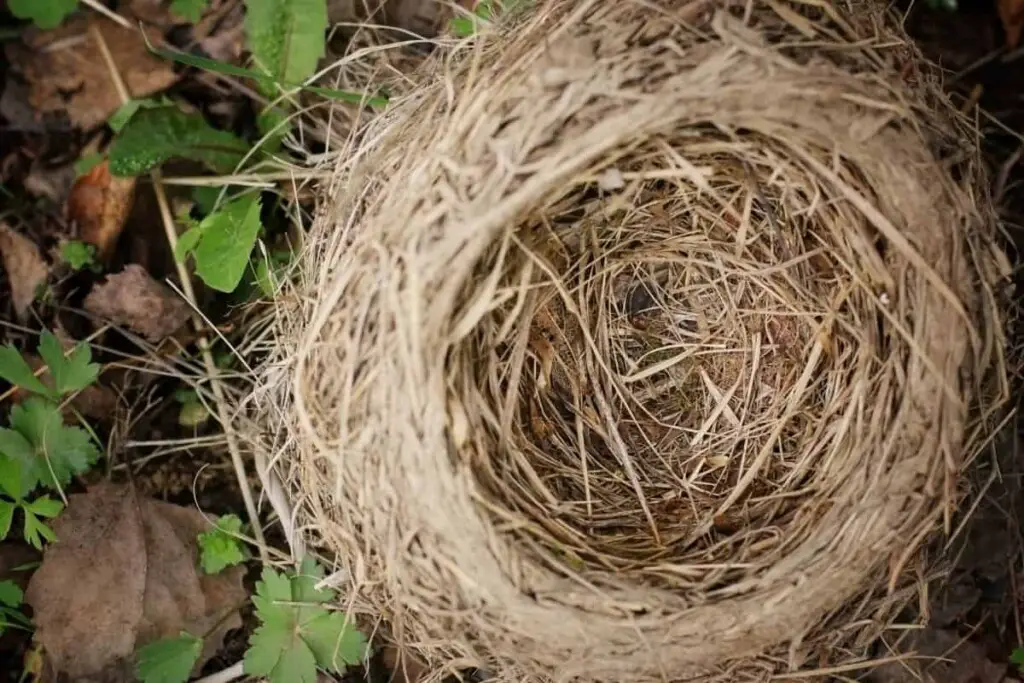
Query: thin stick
[
  {"x": 204, "y": 345},
  {"x": 211, "y": 371},
  {"x": 109, "y": 14},
  {"x": 233, "y": 672}
]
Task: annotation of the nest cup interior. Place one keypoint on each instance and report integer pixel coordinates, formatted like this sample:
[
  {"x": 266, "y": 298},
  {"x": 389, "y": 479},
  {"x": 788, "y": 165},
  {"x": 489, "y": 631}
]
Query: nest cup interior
[{"x": 639, "y": 346}]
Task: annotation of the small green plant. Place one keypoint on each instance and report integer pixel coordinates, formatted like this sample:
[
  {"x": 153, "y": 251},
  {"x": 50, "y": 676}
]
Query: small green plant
[
  {"x": 298, "y": 634},
  {"x": 37, "y": 448},
  {"x": 11, "y": 598},
  {"x": 220, "y": 547},
  {"x": 79, "y": 255},
  {"x": 486, "y": 10},
  {"x": 87, "y": 163},
  {"x": 222, "y": 242},
  {"x": 46, "y": 14}
]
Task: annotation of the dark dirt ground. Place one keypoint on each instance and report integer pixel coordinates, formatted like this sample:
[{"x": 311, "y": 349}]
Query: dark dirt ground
[{"x": 975, "y": 622}]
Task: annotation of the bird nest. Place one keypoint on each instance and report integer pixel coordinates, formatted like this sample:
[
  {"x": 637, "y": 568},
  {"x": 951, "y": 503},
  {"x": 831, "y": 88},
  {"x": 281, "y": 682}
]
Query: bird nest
[{"x": 645, "y": 341}]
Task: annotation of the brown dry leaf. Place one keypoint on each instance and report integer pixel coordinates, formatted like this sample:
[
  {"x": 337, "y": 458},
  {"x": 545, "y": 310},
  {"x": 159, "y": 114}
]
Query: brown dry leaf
[
  {"x": 25, "y": 268},
  {"x": 1011, "y": 13},
  {"x": 135, "y": 300},
  {"x": 98, "y": 205},
  {"x": 124, "y": 573},
  {"x": 941, "y": 657},
  {"x": 66, "y": 71}
]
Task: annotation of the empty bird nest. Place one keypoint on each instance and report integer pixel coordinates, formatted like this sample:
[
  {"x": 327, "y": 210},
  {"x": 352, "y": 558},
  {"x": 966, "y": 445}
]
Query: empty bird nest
[{"x": 644, "y": 341}]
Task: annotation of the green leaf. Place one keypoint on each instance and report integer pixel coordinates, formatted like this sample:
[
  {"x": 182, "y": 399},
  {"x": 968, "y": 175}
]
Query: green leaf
[
  {"x": 224, "y": 242},
  {"x": 46, "y": 14},
  {"x": 335, "y": 644},
  {"x": 187, "y": 242},
  {"x": 206, "y": 198},
  {"x": 45, "y": 507},
  {"x": 169, "y": 660},
  {"x": 1017, "y": 657},
  {"x": 17, "y": 464},
  {"x": 219, "y": 547},
  {"x": 78, "y": 255},
  {"x": 60, "y": 451},
  {"x": 15, "y": 370},
  {"x": 287, "y": 37},
  {"x": 36, "y": 532},
  {"x": 87, "y": 163},
  {"x": 6, "y": 517},
  {"x": 192, "y": 10},
  {"x": 297, "y": 633},
  {"x": 126, "y": 111},
  {"x": 72, "y": 373},
  {"x": 10, "y": 594},
  {"x": 155, "y": 135}
]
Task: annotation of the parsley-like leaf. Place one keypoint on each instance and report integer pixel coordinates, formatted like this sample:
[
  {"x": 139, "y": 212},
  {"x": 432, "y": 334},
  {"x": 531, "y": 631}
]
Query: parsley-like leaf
[
  {"x": 15, "y": 370},
  {"x": 220, "y": 547},
  {"x": 17, "y": 464},
  {"x": 154, "y": 135},
  {"x": 169, "y": 660},
  {"x": 72, "y": 373},
  {"x": 35, "y": 531},
  {"x": 46, "y": 14},
  {"x": 297, "y": 636},
  {"x": 45, "y": 507},
  {"x": 79, "y": 255},
  {"x": 60, "y": 452},
  {"x": 287, "y": 37},
  {"x": 10, "y": 594},
  {"x": 223, "y": 241}
]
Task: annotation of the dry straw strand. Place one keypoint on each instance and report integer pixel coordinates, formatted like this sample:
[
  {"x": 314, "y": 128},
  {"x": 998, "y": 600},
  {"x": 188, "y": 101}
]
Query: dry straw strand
[{"x": 644, "y": 340}]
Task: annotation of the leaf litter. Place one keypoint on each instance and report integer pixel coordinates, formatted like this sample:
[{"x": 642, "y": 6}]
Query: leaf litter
[
  {"x": 133, "y": 299},
  {"x": 26, "y": 270},
  {"x": 98, "y": 206},
  {"x": 123, "y": 574}
]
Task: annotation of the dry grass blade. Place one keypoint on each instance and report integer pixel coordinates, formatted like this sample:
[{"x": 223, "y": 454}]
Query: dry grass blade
[{"x": 644, "y": 341}]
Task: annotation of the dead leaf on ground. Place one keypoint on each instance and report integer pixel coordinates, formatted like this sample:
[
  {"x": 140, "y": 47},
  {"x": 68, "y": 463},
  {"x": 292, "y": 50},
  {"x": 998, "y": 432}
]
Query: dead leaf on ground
[
  {"x": 24, "y": 266},
  {"x": 98, "y": 206},
  {"x": 123, "y": 573},
  {"x": 135, "y": 300},
  {"x": 1011, "y": 13},
  {"x": 65, "y": 69},
  {"x": 941, "y": 657},
  {"x": 404, "y": 667}
]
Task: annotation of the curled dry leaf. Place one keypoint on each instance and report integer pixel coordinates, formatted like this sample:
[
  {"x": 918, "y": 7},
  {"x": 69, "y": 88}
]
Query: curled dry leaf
[
  {"x": 66, "y": 72},
  {"x": 133, "y": 299},
  {"x": 122, "y": 574},
  {"x": 98, "y": 205},
  {"x": 25, "y": 267}
]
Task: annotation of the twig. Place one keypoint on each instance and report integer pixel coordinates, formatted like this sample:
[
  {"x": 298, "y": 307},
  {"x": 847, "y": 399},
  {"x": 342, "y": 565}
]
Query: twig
[
  {"x": 203, "y": 341},
  {"x": 211, "y": 371},
  {"x": 109, "y": 14},
  {"x": 233, "y": 672}
]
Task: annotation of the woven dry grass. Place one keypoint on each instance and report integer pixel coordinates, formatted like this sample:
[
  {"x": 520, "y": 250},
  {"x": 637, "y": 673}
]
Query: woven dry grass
[{"x": 648, "y": 341}]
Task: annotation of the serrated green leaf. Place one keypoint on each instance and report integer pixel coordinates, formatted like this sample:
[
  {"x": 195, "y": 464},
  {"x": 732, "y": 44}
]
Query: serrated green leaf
[
  {"x": 15, "y": 370},
  {"x": 1017, "y": 656},
  {"x": 70, "y": 373},
  {"x": 304, "y": 583},
  {"x": 11, "y": 594},
  {"x": 225, "y": 240},
  {"x": 169, "y": 660},
  {"x": 126, "y": 111},
  {"x": 287, "y": 37},
  {"x": 219, "y": 547},
  {"x": 60, "y": 452},
  {"x": 191, "y": 10},
  {"x": 6, "y": 517},
  {"x": 45, "y": 507},
  {"x": 265, "y": 647},
  {"x": 335, "y": 644},
  {"x": 297, "y": 664},
  {"x": 155, "y": 135},
  {"x": 36, "y": 533},
  {"x": 17, "y": 464},
  {"x": 46, "y": 14}
]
